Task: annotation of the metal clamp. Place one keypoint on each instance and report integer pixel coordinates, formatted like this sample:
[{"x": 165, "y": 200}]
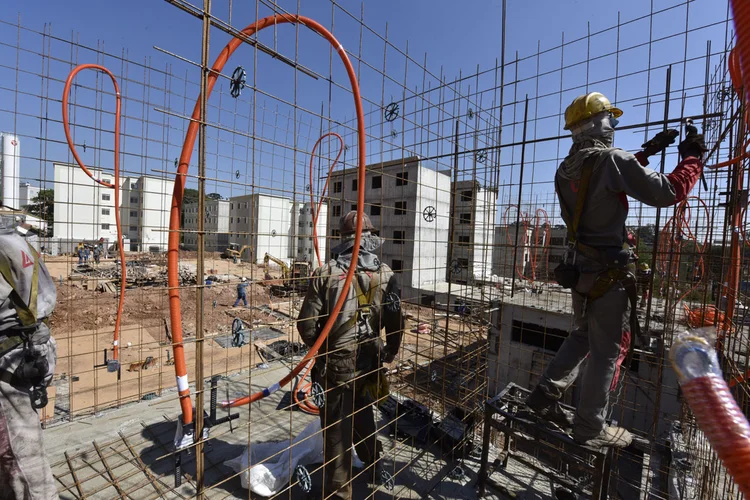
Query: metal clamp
[{"x": 481, "y": 156}]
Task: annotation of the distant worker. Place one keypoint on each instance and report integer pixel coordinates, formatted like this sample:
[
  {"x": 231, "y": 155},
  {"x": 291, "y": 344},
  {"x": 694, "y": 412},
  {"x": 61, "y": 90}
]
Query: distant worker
[
  {"x": 241, "y": 292},
  {"x": 592, "y": 184},
  {"x": 97, "y": 254},
  {"x": 349, "y": 364},
  {"x": 86, "y": 255},
  {"x": 27, "y": 363},
  {"x": 643, "y": 277},
  {"x": 80, "y": 254}
]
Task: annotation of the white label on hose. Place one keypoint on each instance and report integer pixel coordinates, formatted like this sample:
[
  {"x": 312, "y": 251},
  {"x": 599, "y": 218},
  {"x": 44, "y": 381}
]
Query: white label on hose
[
  {"x": 182, "y": 383},
  {"x": 116, "y": 343},
  {"x": 273, "y": 388},
  {"x": 340, "y": 48}
]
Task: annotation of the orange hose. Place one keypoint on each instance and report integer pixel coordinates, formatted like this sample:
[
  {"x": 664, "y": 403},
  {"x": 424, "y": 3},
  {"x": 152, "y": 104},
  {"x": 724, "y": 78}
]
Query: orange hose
[
  {"x": 179, "y": 188},
  {"x": 115, "y": 186},
  {"x": 723, "y": 423},
  {"x": 316, "y": 211},
  {"x": 305, "y": 405}
]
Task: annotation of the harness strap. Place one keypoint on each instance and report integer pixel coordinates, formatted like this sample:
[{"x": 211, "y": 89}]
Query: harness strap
[
  {"x": 583, "y": 189},
  {"x": 26, "y": 312}
]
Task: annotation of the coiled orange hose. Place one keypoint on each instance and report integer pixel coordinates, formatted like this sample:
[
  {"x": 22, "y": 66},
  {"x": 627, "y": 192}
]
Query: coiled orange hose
[
  {"x": 540, "y": 235},
  {"x": 179, "y": 188},
  {"x": 115, "y": 186},
  {"x": 316, "y": 210}
]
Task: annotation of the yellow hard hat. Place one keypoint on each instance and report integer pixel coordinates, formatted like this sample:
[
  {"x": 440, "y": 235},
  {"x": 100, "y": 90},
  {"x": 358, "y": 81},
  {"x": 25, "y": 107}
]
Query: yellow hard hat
[
  {"x": 644, "y": 266},
  {"x": 585, "y": 106}
]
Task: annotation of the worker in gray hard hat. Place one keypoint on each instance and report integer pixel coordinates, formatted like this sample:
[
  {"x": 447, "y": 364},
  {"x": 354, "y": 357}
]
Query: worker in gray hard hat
[
  {"x": 349, "y": 364},
  {"x": 592, "y": 185},
  {"x": 27, "y": 363}
]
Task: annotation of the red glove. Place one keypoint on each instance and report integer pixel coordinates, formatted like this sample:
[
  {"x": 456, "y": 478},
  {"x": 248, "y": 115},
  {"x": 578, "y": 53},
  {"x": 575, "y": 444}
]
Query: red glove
[{"x": 684, "y": 177}]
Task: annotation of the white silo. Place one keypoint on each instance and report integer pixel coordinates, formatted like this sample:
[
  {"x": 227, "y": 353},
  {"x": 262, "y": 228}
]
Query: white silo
[{"x": 10, "y": 166}]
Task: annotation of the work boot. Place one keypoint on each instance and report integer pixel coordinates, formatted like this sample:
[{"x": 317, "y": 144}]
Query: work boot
[
  {"x": 549, "y": 409},
  {"x": 616, "y": 437}
]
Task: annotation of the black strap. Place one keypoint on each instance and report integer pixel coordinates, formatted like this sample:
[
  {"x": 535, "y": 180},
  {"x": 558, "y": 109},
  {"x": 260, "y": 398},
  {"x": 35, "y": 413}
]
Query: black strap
[{"x": 583, "y": 189}]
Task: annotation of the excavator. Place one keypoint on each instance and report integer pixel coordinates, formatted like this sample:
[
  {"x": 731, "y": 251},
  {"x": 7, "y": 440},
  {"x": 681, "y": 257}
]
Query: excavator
[
  {"x": 294, "y": 279},
  {"x": 234, "y": 251}
]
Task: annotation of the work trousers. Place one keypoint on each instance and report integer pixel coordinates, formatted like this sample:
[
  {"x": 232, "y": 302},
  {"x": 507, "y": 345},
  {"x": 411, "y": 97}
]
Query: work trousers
[
  {"x": 240, "y": 298},
  {"x": 24, "y": 470},
  {"x": 598, "y": 333},
  {"x": 347, "y": 419}
]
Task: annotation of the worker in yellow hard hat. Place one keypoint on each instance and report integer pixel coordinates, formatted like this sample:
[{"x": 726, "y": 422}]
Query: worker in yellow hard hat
[{"x": 593, "y": 183}]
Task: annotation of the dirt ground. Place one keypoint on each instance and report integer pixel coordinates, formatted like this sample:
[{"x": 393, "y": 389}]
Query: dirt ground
[{"x": 84, "y": 319}]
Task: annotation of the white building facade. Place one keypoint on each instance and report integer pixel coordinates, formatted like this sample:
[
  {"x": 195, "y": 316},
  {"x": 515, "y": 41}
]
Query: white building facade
[
  {"x": 85, "y": 210},
  {"x": 27, "y": 193},
  {"x": 473, "y": 228},
  {"x": 409, "y": 205}
]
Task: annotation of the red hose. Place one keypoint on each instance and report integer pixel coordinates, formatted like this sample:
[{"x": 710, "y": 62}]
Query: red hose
[
  {"x": 179, "y": 188},
  {"x": 115, "y": 186},
  {"x": 723, "y": 423},
  {"x": 316, "y": 211}
]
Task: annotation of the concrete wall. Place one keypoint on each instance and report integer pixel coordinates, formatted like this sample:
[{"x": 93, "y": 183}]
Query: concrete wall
[
  {"x": 506, "y": 244},
  {"x": 519, "y": 360},
  {"x": 84, "y": 210},
  {"x": 472, "y": 236}
]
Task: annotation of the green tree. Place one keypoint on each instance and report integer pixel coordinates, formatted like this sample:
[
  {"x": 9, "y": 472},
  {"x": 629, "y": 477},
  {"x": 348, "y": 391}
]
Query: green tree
[
  {"x": 213, "y": 196},
  {"x": 190, "y": 196},
  {"x": 43, "y": 205}
]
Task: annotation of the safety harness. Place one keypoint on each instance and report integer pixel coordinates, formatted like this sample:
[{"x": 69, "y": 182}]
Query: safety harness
[
  {"x": 361, "y": 318},
  {"x": 616, "y": 271},
  {"x": 26, "y": 312},
  {"x": 34, "y": 367}
]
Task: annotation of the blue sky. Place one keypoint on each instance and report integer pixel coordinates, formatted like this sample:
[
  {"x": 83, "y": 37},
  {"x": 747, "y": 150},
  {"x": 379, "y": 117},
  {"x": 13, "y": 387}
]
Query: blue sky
[{"x": 456, "y": 37}]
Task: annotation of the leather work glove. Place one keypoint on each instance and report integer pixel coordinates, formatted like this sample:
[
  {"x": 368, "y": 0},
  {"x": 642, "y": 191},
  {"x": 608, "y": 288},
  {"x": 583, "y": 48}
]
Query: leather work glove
[
  {"x": 660, "y": 141},
  {"x": 692, "y": 145}
]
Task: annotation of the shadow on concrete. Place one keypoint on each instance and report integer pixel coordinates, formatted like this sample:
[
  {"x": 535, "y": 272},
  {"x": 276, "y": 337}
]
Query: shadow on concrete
[{"x": 160, "y": 459}]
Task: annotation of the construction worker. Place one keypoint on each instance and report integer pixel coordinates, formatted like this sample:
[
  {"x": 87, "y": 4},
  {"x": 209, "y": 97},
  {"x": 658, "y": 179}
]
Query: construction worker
[
  {"x": 241, "y": 292},
  {"x": 27, "y": 363},
  {"x": 592, "y": 184},
  {"x": 644, "y": 280},
  {"x": 97, "y": 254},
  {"x": 349, "y": 363}
]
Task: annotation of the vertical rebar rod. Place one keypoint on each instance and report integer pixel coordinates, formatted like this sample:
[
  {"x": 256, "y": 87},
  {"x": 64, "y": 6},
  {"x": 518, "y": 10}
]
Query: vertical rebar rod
[
  {"x": 199, "y": 396},
  {"x": 520, "y": 192}
]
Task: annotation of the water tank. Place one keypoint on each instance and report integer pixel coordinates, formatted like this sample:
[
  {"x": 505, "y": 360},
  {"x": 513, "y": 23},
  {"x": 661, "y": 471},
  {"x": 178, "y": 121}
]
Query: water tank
[{"x": 10, "y": 169}]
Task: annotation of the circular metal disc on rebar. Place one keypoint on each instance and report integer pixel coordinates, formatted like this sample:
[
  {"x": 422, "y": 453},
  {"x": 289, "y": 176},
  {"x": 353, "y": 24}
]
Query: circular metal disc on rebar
[
  {"x": 391, "y": 112},
  {"x": 429, "y": 213}
]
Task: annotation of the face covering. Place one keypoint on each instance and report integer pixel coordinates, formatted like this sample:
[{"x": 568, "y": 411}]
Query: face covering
[{"x": 613, "y": 121}]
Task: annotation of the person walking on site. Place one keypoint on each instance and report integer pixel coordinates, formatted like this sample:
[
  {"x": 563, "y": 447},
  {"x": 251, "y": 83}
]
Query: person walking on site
[
  {"x": 592, "y": 184},
  {"x": 27, "y": 363},
  {"x": 349, "y": 364},
  {"x": 241, "y": 292}
]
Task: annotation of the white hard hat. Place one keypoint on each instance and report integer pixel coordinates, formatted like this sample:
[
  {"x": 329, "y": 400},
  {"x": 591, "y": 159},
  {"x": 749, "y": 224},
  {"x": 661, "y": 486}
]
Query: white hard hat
[{"x": 243, "y": 279}]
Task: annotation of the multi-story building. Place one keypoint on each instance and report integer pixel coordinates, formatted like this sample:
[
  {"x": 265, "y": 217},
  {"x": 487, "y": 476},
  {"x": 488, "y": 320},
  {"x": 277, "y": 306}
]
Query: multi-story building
[
  {"x": 216, "y": 225},
  {"x": 27, "y": 194},
  {"x": 510, "y": 250},
  {"x": 408, "y": 201},
  {"x": 264, "y": 222},
  {"x": 472, "y": 238},
  {"x": 85, "y": 210}
]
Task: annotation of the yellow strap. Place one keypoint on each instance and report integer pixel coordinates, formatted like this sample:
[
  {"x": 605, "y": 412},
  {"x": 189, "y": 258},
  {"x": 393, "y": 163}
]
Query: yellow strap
[{"x": 26, "y": 313}]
